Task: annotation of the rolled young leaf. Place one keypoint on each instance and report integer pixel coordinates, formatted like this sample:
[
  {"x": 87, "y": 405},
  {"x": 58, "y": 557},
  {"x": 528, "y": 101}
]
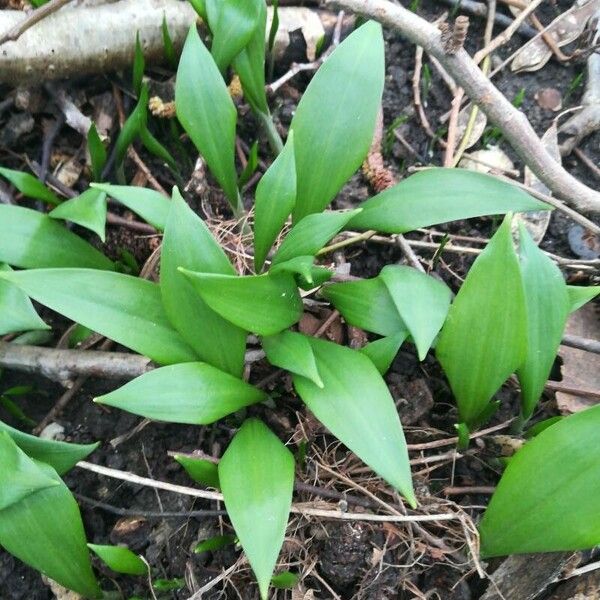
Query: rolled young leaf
[
  {"x": 263, "y": 304},
  {"x": 97, "y": 152},
  {"x": 207, "y": 113},
  {"x": 548, "y": 307},
  {"x": 421, "y": 300},
  {"x": 275, "y": 198},
  {"x": 356, "y": 406},
  {"x": 44, "y": 530},
  {"x": 59, "y": 455},
  {"x": 257, "y": 480},
  {"x": 33, "y": 240},
  {"x": 188, "y": 243},
  {"x": 367, "y": 304},
  {"x": 291, "y": 351},
  {"x": 310, "y": 234},
  {"x": 87, "y": 210},
  {"x": 440, "y": 195},
  {"x": 484, "y": 338},
  {"x": 149, "y": 204},
  {"x": 125, "y": 309},
  {"x": 16, "y": 310},
  {"x": 120, "y": 559},
  {"x": 341, "y": 103},
  {"x": 192, "y": 392},
  {"x": 548, "y": 499}
]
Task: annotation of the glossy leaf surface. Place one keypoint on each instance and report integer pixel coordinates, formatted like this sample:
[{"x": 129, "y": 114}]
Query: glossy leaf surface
[
  {"x": 383, "y": 351},
  {"x": 125, "y": 309},
  {"x": 356, "y": 406},
  {"x": 192, "y": 392},
  {"x": 257, "y": 479},
  {"x": 87, "y": 210},
  {"x": 202, "y": 471},
  {"x": 440, "y": 195},
  {"x": 120, "y": 559},
  {"x": 484, "y": 338},
  {"x": 29, "y": 186}
]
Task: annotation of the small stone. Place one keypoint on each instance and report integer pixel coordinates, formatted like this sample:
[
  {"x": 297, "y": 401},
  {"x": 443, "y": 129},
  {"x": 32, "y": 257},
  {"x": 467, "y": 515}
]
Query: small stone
[{"x": 549, "y": 99}]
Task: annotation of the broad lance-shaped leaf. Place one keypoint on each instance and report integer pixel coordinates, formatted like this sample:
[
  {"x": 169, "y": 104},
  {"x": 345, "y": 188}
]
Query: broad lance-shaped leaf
[
  {"x": 292, "y": 352},
  {"x": 340, "y": 104},
  {"x": 44, "y": 530},
  {"x": 383, "y": 351},
  {"x": 29, "y": 186},
  {"x": 275, "y": 199},
  {"x": 188, "y": 243},
  {"x": 548, "y": 499},
  {"x": 356, "y": 406},
  {"x": 149, "y": 204},
  {"x": 16, "y": 310},
  {"x": 33, "y": 240},
  {"x": 421, "y": 300},
  {"x": 257, "y": 480},
  {"x": 263, "y": 304},
  {"x": 440, "y": 195},
  {"x": 202, "y": 471},
  {"x": 125, "y": 309},
  {"x": 309, "y": 235},
  {"x": 120, "y": 559},
  {"x": 87, "y": 210},
  {"x": 579, "y": 295},
  {"x": 192, "y": 392},
  {"x": 484, "y": 338},
  {"x": 59, "y": 455},
  {"x": 548, "y": 306},
  {"x": 367, "y": 304},
  {"x": 207, "y": 113},
  {"x": 19, "y": 475}
]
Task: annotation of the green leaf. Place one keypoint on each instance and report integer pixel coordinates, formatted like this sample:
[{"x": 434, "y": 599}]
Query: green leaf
[
  {"x": 138, "y": 65},
  {"x": 310, "y": 234},
  {"x": 257, "y": 479},
  {"x": 149, "y": 204},
  {"x": 292, "y": 352},
  {"x": 341, "y": 103},
  {"x": 285, "y": 580},
  {"x": 16, "y": 310},
  {"x": 249, "y": 64},
  {"x": 421, "y": 300},
  {"x": 155, "y": 147},
  {"x": 123, "y": 308},
  {"x": 59, "y": 455},
  {"x": 30, "y": 240},
  {"x": 200, "y": 7},
  {"x": 232, "y": 25},
  {"x": 548, "y": 499},
  {"x": 366, "y": 304},
  {"x": 193, "y": 393},
  {"x": 97, "y": 152},
  {"x": 87, "y": 210},
  {"x": 250, "y": 167},
  {"x": 214, "y": 543},
  {"x": 44, "y": 530},
  {"x": 135, "y": 122},
  {"x": 188, "y": 243},
  {"x": 383, "y": 351},
  {"x": 263, "y": 304},
  {"x": 200, "y": 470},
  {"x": 207, "y": 113},
  {"x": 168, "y": 585},
  {"x": 547, "y": 303},
  {"x": 484, "y": 338},
  {"x": 120, "y": 559},
  {"x": 19, "y": 475},
  {"x": 29, "y": 186},
  {"x": 440, "y": 195},
  {"x": 275, "y": 199},
  {"x": 541, "y": 426},
  {"x": 579, "y": 295},
  {"x": 356, "y": 406},
  {"x": 169, "y": 49}
]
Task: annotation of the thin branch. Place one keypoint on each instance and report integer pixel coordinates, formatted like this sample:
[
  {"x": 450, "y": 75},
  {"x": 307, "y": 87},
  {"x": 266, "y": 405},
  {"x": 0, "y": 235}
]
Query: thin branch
[{"x": 513, "y": 123}]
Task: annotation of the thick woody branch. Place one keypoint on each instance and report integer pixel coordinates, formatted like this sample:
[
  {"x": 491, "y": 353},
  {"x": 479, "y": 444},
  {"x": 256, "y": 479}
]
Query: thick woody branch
[{"x": 513, "y": 123}]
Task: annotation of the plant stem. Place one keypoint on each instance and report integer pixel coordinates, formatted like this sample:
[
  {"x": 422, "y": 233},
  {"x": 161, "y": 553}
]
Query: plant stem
[{"x": 270, "y": 131}]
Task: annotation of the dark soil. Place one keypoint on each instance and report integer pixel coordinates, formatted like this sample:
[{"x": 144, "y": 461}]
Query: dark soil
[{"x": 352, "y": 560}]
